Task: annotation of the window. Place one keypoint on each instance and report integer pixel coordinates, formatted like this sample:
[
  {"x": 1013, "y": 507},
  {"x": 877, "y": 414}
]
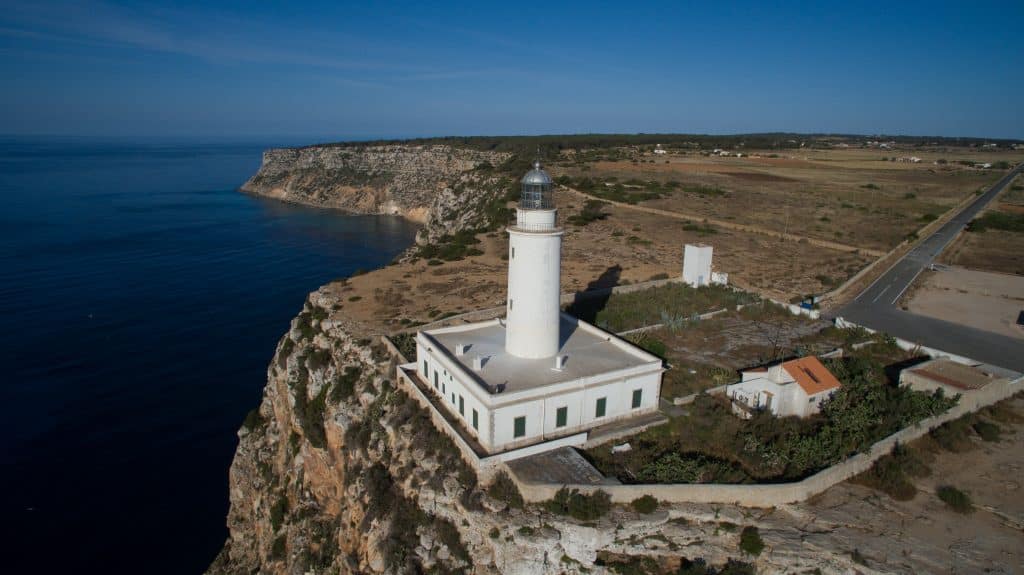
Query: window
[
  {"x": 453, "y": 398},
  {"x": 442, "y": 390},
  {"x": 462, "y": 406},
  {"x": 510, "y": 304},
  {"x": 519, "y": 427},
  {"x": 513, "y": 253},
  {"x": 476, "y": 420},
  {"x": 435, "y": 379},
  {"x": 561, "y": 416},
  {"x": 638, "y": 395},
  {"x": 425, "y": 369},
  {"x": 810, "y": 400},
  {"x": 602, "y": 405}
]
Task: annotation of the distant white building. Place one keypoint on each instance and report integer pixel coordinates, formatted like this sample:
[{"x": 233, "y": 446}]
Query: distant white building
[
  {"x": 796, "y": 387},
  {"x": 697, "y": 267},
  {"x": 659, "y": 150},
  {"x": 537, "y": 374}
]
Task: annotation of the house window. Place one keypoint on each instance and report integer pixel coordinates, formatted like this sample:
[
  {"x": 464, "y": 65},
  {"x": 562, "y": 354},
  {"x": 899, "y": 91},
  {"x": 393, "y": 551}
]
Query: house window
[
  {"x": 638, "y": 395},
  {"x": 519, "y": 427},
  {"x": 602, "y": 405},
  {"x": 810, "y": 400},
  {"x": 435, "y": 379},
  {"x": 462, "y": 406},
  {"x": 453, "y": 398},
  {"x": 442, "y": 389},
  {"x": 476, "y": 420},
  {"x": 513, "y": 256},
  {"x": 561, "y": 416},
  {"x": 425, "y": 369},
  {"x": 510, "y": 304}
]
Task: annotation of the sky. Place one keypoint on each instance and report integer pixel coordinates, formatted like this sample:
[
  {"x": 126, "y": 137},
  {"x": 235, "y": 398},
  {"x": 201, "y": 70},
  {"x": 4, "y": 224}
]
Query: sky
[{"x": 335, "y": 70}]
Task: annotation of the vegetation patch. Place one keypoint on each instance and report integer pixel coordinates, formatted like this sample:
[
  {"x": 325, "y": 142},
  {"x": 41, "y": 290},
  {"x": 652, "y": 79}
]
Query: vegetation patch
[
  {"x": 711, "y": 444},
  {"x": 579, "y": 506},
  {"x": 956, "y": 499},
  {"x": 505, "y": 490},
  {"x": 750, "y": 540},
  {"x": 994, "y": 220},
  {"x": 645, "y": 504},
  {"x": 673, "y": 303},
  {"x": 891, "y": 473},
  {"x": 593, "y": 210}
]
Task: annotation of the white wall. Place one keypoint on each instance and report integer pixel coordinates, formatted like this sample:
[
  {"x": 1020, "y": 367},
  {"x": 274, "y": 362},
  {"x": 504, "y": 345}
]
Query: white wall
[
  {"x": 581, "y": 403},
  {"x": 533, "y": 311},
  {"x": 452, "y": 384},
  {"x": 697, "y": 265}
]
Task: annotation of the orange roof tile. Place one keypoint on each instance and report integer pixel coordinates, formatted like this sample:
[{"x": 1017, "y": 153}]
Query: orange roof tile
[{"x": 811, "y": 375}]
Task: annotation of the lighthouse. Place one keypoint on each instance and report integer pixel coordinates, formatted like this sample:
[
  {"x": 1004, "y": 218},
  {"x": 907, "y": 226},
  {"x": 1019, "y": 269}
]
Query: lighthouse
[{"x": 534, "y": 271}]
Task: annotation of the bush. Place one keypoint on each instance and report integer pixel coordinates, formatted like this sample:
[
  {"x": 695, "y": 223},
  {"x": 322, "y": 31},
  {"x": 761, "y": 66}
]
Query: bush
[
  {"x": 253, "y": 420},
  {"x": 494, "y": 534},
  {"x": 277, "y": 512},
  {"x": 889, "y": 474},
  {"x": 591, "y": 212},
  {"x": 505, "y": 490},
  {"x": 957, "y": 500},
  {"x": 987, "y": 431},
  {"x": 646, "y": 504},
  {"x": 278, "y": 548},
  {"x": 750, "y": 540},
  {"x": 998, "y": 221},
  {"x": 954, "y": 436},
  {"x": 578, "y": 505},
  {"x": 345, "y": 384}
]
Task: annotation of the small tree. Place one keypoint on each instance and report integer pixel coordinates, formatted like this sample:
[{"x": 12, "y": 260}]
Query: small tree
[
  {"x": 645, "y": 504},
  {"x": 750, "y": 540}
]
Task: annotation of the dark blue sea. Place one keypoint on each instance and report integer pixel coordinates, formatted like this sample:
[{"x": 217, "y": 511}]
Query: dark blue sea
[{"x": 142, "y": 297}]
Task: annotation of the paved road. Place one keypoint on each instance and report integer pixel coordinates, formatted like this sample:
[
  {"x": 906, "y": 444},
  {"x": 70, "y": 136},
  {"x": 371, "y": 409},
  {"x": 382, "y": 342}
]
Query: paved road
[{"x": 876, "y": 307}]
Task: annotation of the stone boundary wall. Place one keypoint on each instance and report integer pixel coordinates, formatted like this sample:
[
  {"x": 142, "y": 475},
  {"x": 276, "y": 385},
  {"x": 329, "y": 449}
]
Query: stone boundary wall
[
  {"x": 907, "y": 345},
  {"x": 771, "y": 495}
]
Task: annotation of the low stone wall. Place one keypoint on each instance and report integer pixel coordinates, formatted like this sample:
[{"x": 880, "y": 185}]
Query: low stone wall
[
  {"x": 907, "y": 345},
  {"x": 782, "y": 493}
]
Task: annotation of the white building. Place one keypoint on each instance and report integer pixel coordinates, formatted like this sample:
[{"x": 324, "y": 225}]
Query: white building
[
  {"x": 537, "y": 374},
  {"x": 697, "y": 267},
  {"x": 659, "y": 150},
  {"x": 796, "y": 387}
]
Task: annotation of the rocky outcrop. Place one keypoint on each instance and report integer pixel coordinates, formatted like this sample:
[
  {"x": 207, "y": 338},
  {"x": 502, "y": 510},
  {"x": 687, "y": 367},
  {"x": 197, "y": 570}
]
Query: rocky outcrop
[{"x": 398, "y": 179}]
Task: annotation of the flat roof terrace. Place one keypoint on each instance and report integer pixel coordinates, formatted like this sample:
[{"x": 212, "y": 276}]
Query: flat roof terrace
[{"x": 589, "y": 352}]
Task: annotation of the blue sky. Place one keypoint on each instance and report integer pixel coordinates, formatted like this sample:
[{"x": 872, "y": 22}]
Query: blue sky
[{"x": 333, "y": 70}]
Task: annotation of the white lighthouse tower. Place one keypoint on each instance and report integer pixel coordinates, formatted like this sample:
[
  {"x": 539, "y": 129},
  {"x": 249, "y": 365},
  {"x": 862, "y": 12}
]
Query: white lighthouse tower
[{"x": 534, "y": 271}]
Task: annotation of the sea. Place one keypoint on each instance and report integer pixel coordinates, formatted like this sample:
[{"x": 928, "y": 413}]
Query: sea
[{"x": 141, "y": 298}]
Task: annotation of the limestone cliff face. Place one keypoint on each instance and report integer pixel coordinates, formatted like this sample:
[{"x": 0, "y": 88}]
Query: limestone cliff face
[
  {"x": 340, "y": 472},
  {"x": 400, "y": 179}
]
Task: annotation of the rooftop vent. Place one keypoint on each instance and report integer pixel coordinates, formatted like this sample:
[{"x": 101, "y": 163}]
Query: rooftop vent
[
  {"x": 560, "y": 362},
  {"x": 461, "y": 349},
  {"x": 479, "y": 361}
]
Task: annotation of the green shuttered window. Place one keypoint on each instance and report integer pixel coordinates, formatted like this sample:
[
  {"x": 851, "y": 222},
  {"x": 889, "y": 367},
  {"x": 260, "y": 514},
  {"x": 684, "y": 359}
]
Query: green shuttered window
[
  {"x": 561, "y": 416},
  {"x": 519, "y": 427},
  {"x": 602, "y": 405}
]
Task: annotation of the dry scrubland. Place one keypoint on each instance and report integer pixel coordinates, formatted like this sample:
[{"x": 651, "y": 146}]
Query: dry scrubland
[{"x": 850, "y": 197}]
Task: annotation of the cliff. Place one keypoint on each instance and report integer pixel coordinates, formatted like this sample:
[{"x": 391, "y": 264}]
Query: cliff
[
  {"x": 418, "y": 182},
  {"x": 338, "y": 471}
]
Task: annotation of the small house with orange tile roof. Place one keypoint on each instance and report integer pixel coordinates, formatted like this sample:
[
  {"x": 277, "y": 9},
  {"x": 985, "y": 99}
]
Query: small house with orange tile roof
[{"x": 795, "y": 387}]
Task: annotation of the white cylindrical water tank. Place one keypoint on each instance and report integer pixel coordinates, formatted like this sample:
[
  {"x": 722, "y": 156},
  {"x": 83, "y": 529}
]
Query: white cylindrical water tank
[{"x": 534, "y": 278}]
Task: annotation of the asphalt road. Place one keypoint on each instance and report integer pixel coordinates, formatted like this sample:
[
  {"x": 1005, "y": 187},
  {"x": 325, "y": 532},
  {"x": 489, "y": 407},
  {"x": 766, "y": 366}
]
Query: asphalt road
[{"x": 876, "y": 307}]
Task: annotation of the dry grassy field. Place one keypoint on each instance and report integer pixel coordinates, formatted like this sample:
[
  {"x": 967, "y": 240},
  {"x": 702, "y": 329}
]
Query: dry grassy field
[{"x": 782, "y": 227}]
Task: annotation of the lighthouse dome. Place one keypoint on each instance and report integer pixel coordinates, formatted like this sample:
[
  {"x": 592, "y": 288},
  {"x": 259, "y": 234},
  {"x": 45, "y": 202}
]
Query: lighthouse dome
[
  {"x": 537, "y": 176},
  {"x": 537, "y": 190}
]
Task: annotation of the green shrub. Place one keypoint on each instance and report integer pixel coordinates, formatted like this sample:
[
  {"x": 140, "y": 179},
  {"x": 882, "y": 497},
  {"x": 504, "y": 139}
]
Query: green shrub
[
  {"x": 578, "y": 505},
  {"x": 956, "y": 499},
  {"x": 278, "y": 548},
  {"x": 277, "y": 512},
  {"x": 253, "y": 420},
  {"x": 645, "y": 504},
  {"x": 987, "y": 431},
  {"x": 889, "y": 473},
  {"x": 750, "y": 540},
  {"x": 345, "y": 384},
  {"x": 996, "y": 220},
  {"x": 494, "y": 534},
  {"x": 526, "y": 530},
  {"x": 592, "y": 211},
  {"x": 954, "y": 436},
  {"x": 505, "y": 490}
]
